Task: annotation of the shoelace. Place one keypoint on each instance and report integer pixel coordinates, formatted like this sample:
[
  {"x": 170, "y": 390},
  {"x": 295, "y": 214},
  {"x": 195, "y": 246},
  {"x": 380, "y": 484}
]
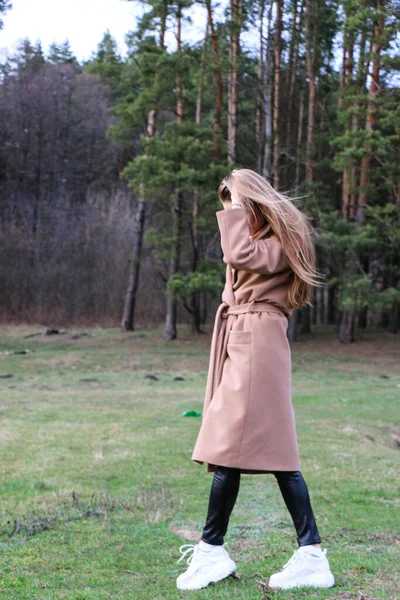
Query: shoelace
[
  {"x": 295, "y": 558},
  {"x": 189, "y": 549},
  {"x": 291, "y": 562}
]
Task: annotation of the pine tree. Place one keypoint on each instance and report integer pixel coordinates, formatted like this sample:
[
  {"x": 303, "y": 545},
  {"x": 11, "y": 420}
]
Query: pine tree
[
  {"x": 5, "y": 5},
  {"x": 61, "y": 54}
]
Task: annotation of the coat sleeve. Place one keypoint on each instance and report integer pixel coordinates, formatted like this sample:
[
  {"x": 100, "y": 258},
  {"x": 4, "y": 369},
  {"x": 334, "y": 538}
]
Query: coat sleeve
[{"x": 241, "y": 253}]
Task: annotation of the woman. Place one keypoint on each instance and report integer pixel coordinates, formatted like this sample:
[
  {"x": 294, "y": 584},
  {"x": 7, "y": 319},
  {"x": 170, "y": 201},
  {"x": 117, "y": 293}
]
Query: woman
[{"x": 248, "y": 423}]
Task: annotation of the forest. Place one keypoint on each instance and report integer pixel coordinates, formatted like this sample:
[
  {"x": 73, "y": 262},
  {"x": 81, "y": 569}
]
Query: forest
[{"x": 109, "y": 168}]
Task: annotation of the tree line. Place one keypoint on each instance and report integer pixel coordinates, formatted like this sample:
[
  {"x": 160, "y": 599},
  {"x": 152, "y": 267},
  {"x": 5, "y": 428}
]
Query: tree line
[{"x": 109, "y": 167}]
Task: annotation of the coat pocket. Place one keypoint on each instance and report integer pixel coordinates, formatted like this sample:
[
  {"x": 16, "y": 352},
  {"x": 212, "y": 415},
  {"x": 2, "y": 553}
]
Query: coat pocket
[
  {"x": 237, "y": 371},
  {"x": 239, "y": 337}
]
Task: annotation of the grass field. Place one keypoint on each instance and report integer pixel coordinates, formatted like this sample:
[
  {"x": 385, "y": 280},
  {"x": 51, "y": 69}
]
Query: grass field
[{"x": 98, "y": 490}]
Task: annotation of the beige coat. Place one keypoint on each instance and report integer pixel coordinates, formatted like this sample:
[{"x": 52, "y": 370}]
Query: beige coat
[{"x": 248, "y": 420}]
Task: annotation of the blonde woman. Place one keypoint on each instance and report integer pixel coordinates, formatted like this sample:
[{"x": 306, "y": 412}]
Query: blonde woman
[{"x": 248, "y": 423}]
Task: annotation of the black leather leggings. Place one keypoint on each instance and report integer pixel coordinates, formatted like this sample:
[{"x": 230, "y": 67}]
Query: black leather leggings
[{"x": 224, "y": 491}]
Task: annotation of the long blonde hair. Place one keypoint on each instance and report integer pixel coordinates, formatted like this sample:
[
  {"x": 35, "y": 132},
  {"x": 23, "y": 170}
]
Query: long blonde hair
[{"x": 291, "y": 226}]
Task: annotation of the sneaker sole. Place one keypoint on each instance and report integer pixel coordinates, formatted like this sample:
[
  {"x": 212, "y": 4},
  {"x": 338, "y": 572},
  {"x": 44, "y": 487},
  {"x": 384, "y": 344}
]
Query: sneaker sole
[
  {"x": 219, "y": 572},
  {"x": 318, "y": 581}
]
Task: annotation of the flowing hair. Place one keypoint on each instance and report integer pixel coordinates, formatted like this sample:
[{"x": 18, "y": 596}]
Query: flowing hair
[{"x": 290, "y": 225}]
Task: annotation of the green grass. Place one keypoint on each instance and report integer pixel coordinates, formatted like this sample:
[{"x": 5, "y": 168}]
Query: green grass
[{"x": 98, "y": 490}]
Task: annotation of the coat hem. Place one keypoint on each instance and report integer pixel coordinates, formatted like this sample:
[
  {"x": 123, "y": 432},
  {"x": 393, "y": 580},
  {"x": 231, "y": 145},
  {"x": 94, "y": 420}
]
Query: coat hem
[{"x": 211, "y": 467}]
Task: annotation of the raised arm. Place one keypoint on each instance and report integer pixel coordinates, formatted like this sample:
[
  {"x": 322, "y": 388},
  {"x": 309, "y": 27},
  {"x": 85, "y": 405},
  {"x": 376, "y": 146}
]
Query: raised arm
[{"x": 240, "y": 252}]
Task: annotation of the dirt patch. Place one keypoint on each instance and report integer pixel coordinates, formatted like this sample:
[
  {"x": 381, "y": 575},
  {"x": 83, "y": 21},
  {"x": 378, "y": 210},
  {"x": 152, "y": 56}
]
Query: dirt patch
[
  {"x": 186, "y": 533},
  {"x": 351, "y": 596},
  {"x": 8, "y": 436},
  {"x": 61, "y": 360},
  {"x": 357, "y": 537}
]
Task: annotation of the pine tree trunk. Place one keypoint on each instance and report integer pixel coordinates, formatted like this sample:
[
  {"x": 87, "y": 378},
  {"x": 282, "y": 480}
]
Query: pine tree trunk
[
  {"x": 371, "y": 109},
  {"x": 362, "y": 72},
  {"x": 196, "y": 304},
  {"x": 277, "y": 89},
  {"x": 312, "y": 98},
  {"x": 170, "y": 332},
  {"x": 394, "y": 319},
  {"x": 362, "y": 315},
  {"x": 313, "y": 308},
  {"x": 319, "y": 306},
  {"x": 38, "y": 181},
  {"x": 344, "y": 82},
  {"x": 267, "y": 165},
  {"x": 179, "y": 91},
  {"x": 299, "y": 136},
  {"x": 312, "y": 89},
  {"x": 128, "y": 317},
  {"x": 306, "y": 319},
  {"x": 236, "y": 21},
  {"x": 260, "y": 88},
  {"x": 363, "y": 318},
  {"x": 199, "y": 100},
  {"x": 334, "y": 316},
  {"x": 195, "y": 310},
  {"x": 294, "y": 52},
  {"x": 349, "y": 194},
  {"x": 220, "y": 84},
  {"x": 347, "y": 326},
  {"x": 326, "y": 304}
]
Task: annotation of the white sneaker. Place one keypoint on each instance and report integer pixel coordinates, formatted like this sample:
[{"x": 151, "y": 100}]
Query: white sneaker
[
  {"x": 205, "y": 566},
  {"x": 308, "y": 567}
]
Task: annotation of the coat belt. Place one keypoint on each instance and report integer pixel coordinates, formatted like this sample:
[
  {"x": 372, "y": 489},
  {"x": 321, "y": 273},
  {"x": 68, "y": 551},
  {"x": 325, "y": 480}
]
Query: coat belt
[
  {"x": 220, "y": 336},
  {"x": 254, "y": 306}
]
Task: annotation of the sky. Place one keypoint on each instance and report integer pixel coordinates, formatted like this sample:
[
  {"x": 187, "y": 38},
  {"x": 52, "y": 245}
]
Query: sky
[{"x": 83, "y": 22}]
